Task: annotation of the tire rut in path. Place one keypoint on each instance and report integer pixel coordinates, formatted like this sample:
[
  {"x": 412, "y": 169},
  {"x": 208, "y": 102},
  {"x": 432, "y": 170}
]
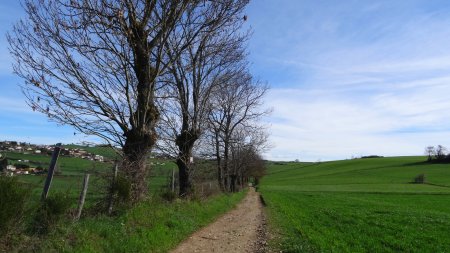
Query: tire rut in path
[{"x": 240, "y": 230}]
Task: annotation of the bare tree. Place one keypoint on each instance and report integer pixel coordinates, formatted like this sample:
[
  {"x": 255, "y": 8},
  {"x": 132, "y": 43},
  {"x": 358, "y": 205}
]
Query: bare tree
[
  {"x": 194, "y": 76},
  {"x": 430, "y": 152},
  {"x": 95, "y": 65},
  {"x": 237, "y": 104},
  {"x": 245, "y": 160},
  {"x": 440, "y": 152}
]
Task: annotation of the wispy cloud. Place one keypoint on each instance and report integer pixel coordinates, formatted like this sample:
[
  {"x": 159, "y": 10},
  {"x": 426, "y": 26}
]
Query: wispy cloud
[
  {"x": 358, "y": 78},
  {"x": 14, "y": 105}
]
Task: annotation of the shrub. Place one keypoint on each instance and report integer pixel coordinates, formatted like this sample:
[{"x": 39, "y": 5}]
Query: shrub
[
  {"x": 419, "y": 179},
  {"x": 122, "y": 188},
  {"x": 50, "y": 212},
  {"x": 13, "y": 197}
]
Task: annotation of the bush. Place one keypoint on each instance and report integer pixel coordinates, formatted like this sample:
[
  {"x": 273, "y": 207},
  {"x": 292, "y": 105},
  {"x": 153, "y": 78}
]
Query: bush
[
  {"x": 419, "y": 179},
  {"x": 122, "y": 188},
  {"x": 13, "y": 197},
  {"x": 371, "y": 156},
  {"x": 50, "y": 212}
]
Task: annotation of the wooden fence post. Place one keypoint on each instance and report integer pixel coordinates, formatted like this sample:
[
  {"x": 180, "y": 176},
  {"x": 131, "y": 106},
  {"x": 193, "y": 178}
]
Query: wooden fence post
[
  {"x": 173, "y": 180},
  {"x": 111, "y": 194},
  {"x": 82, "y": 196},
  {"x": 51, "y": 170}
]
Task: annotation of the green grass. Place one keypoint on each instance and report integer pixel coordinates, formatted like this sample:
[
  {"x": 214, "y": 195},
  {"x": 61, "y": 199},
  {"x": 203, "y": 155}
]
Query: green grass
[
  {"x": 363, "y": 205},
  {"x": 69, "y": 178},
  {"x": 153, "y": 226},
  {"x": 107, "y": 152},
  {"x": 72, "y": 170}
]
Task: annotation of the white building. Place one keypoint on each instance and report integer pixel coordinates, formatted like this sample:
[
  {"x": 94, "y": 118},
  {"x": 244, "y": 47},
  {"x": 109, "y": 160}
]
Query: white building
[
  {"x": 98, "y": 158},
  {"x": 10, "y": 167}
]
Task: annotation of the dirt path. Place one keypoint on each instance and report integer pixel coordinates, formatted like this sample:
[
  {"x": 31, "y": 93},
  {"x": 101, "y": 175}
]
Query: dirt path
[{"x": 240, "y": 230}]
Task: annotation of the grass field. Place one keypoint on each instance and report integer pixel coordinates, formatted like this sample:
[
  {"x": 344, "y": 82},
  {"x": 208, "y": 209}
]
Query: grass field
[
  {"x": 71, "y": 171},
  {"x": 362, "y": 205}
]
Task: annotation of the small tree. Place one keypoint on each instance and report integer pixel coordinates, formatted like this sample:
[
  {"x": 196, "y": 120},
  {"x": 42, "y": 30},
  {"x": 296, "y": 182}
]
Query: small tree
[
  {"x": 430, "y": 152},
  {"x": 440, "y": 152},
  {"x": 420, "y": 179}
]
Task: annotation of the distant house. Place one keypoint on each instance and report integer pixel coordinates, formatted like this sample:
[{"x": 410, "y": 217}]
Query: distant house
[
  {"x": 65, "y": 152},
  {"x": 98, "y": 158},
  {"x": 37, "y": 151},
  {"x": 11, "y": 167}
]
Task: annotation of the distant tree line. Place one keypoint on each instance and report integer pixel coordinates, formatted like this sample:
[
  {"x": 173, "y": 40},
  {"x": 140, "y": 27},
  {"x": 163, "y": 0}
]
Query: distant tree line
[{"x": 437, "y": 154}]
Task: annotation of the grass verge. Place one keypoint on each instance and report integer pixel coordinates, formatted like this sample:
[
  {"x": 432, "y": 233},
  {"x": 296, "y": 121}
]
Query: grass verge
[{"x": 152, "y": 226}]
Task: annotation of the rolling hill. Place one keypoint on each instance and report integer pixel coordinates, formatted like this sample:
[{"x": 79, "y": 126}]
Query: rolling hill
[{"x": 360, "y": 205}]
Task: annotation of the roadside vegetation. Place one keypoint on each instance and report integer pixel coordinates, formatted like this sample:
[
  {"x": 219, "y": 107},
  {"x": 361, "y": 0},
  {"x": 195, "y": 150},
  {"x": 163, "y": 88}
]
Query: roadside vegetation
[
  {"x": 157, "y": 224},
  {"x": 359, "y": 205}
]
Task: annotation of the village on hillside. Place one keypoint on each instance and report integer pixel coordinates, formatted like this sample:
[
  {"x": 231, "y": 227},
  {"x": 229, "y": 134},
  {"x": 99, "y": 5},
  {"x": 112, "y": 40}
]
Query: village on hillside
[{"x": 22, "y": 167}]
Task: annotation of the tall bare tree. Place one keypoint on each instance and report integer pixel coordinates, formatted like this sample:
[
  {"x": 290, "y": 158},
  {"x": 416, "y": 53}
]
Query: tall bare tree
[
  {"x": 194, "y": 76},
  {"x": 237, "y": 104},
  {"x": 245, "y": 160},
  {"x": 95, "y": 65}
]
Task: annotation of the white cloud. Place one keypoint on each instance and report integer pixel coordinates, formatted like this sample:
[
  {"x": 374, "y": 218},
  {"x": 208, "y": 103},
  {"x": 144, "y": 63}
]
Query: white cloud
[
  {"x": 323, "y": 124},
  {"x": 373, "y": 82}
]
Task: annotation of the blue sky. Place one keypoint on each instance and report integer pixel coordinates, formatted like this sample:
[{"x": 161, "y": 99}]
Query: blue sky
[{"x": 348, "y": 78}]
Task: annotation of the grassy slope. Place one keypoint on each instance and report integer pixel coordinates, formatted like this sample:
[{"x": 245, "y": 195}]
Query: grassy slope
[
  {"x": 103, "y": 151},
  {"x": 73, "y": 169},
  {"x": 364, "y": 205},
  {"x": 154, "y": 226}
]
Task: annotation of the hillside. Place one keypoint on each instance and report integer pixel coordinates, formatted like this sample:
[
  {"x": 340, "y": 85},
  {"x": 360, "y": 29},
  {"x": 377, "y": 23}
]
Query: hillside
[{"x": 362, "y": 205}]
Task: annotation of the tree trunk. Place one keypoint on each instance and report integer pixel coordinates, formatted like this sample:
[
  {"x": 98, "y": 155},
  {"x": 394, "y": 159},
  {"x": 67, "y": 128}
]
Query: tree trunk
[
  {"x": 226, "y": 163},
  {"x": 185, "y": 142},
  {"x": 137, "y": 145},
  {"x": 219, "y": 163},
  {"x": 233, "y": 183},
  {"x": 185, "y": 180}
]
